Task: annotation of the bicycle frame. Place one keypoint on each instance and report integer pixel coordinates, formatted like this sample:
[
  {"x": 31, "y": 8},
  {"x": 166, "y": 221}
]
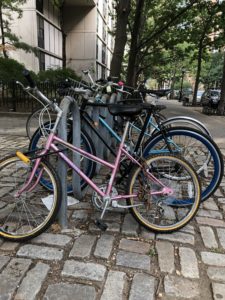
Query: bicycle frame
[
  {"x": 142, "y": 132},
  {"x": 50, "y": 144}
]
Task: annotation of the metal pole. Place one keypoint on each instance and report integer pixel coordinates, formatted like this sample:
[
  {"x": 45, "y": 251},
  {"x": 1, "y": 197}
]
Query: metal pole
[{"x": 66, "y": 105}]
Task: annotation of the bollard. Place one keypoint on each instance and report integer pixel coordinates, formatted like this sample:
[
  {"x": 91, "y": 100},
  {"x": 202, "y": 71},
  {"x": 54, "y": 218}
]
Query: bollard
[{"x": 68, "y": 104}]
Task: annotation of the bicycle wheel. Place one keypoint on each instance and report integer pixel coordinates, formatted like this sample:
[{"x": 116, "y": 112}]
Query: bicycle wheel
[
  {"x": 174, "y": 179},
  {"x": 87, "y": 166},
  {"x": 198, "y": 149},
  {"x": 32, "y": 123},
  {"x": 183, "y": 121},
  {"x": 26, "y": 216}
]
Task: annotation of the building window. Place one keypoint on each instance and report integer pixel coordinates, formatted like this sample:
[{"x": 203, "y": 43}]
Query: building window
[
  {"x": 41, "y": 61},
  {"x": 104, "y": 33},
  {"x": 103, "y": 54},
  {"x": 41, "y": 36},
  {"x": 103, "y": 73},
  {"x": 97, "y": 49},
  {"x": 39, "y": 5},
  {"x": 104, "y": 9}
]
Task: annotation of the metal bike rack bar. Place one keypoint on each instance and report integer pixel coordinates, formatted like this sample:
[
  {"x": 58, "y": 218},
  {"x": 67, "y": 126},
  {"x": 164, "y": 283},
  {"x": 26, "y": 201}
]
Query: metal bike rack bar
[{"x": 68, "y": 105}]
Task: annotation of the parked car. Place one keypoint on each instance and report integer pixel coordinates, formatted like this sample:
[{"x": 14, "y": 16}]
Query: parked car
[
  {"x": 199, "y": 96},
  {"x": 188, "y": 97},
  {"x": 211, "y": 98}
]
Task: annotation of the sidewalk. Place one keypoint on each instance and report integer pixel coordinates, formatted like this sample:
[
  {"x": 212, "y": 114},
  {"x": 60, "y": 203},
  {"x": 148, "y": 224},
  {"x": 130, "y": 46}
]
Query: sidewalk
[{"x": 126, "y": 261}]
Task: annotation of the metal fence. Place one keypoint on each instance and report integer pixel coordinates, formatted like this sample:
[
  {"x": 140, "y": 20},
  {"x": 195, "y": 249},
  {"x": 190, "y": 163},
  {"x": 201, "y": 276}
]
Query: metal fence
[{"x": 13, "y": 98}]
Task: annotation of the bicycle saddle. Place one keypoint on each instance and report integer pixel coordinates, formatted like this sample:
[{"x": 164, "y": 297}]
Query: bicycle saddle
[{"x": 124, "y": 110}]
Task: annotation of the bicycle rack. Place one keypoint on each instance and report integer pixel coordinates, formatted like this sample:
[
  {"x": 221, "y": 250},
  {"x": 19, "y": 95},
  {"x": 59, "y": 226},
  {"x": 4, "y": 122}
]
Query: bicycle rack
[{"x": 69, "y": 105}]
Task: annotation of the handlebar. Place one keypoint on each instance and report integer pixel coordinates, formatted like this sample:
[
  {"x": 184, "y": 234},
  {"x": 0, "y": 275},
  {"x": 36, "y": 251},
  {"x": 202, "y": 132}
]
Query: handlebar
[{"x": 31, "y": 82}]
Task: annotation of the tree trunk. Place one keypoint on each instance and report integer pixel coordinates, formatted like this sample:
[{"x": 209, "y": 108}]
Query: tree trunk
[
  {"x": 221, "y": 106},
  {"x": 132, "y": 62},
  {"x": 2, "y": 34},
  {"x": 199, "y": 67},
  {"x": 62, "y": 15},
  {"x": 123, "y": 11}
]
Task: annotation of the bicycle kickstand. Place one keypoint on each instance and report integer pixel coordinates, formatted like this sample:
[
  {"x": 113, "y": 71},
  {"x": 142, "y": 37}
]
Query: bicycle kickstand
[{"x": 99, "y": 222}]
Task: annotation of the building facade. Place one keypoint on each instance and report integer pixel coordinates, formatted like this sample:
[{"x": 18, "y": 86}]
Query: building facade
[{"x": 85, "y": 24}]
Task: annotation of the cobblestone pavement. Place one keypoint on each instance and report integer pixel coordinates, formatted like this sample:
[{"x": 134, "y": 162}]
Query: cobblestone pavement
[{"x": 125, "y": 262}]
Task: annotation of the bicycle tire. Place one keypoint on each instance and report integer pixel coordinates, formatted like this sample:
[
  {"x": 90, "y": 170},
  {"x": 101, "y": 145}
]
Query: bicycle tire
[
  {"x": 199, "y": 146},
  {"x": 34, "y": 211},
  {"x": 154, "y": 211},
  {"x": 32, "y": 123},
  {"x": 183, "y": 121},
  {"x": 89, "y": 166}
]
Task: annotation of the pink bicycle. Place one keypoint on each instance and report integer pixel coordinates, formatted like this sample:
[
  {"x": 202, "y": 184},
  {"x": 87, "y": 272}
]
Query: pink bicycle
[{"x": 28, "y": 208}]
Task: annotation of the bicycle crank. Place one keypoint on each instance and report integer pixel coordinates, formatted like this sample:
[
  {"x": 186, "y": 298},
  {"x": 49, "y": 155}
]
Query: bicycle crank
[{"x": 97, "y": 200}]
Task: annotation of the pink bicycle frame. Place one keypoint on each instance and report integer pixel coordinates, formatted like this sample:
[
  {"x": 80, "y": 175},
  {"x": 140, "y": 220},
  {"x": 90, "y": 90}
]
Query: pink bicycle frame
[{"x": 50, "y": 144}]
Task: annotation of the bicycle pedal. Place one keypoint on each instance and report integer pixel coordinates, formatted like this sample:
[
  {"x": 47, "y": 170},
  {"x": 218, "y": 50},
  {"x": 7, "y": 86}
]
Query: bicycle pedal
[{"x": 101, "y": 225}]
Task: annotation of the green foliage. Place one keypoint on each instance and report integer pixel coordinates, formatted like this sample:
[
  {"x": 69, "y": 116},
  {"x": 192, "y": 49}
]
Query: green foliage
[
  {"x": 10, "y": 70},
  {"x": 212, "y": 70},
  {"x": 57, "y": 74},
  {"x": 170, "y": 37},
  {"x": 9, "y": 8},
  {"x": 186, "y": 85}
]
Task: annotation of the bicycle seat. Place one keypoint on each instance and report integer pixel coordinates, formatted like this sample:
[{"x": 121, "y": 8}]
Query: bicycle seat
[{"x": 124, "y": 110}]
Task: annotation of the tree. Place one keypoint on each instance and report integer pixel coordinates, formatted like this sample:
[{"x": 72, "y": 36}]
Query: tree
[
  {"x": 221, "y": 106},
  {"x": 203, "y": 23},
  {"x": 149, "y": 25},
  {"x": 122, "y": 12},
  {"x": 8, "y": 39}
]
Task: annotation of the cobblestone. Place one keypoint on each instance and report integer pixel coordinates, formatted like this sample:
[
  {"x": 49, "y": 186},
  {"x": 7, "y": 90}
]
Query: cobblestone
[
  {"x": 69, "y": 291},
  {"x": 59, "y": 240},
  {"x": 216, "y": 273},
  {"x": 12, "y": 275},
  {"x": 210, "y": 214},
  {"x": 143, "y": 287},
  {"x": 180, "y": 287},
  {"x": 3, "y": 261},
  {"x": 221, "y": 236},
  {"x": 120, "y": 262},
  {"x": 32, "y": 283},
  {"x": 9, "y": 246},
  {"x": 188, "y": 262},
  {"x": 208, "y": 237},
  {"x": 114, "y": 286},
  {"x": 179, "y": 237},
  {"x": 47, "y": 253},
  {"x": 215, "y": 259},
  {"x": 218, "y": 291},
  {"x": 89, "y": 271},
  {"x": 83, "y": 246},
  {"x": 104, "y": 246},
  {"x": 210, "y": 204},
  {"x": 134, "y": 246},
  {"x": 166, "y": 260},
  {"x": 132, "y": 260},
  {"x": 130, "y": 226},
  {"x": 210, "y": 222}
]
